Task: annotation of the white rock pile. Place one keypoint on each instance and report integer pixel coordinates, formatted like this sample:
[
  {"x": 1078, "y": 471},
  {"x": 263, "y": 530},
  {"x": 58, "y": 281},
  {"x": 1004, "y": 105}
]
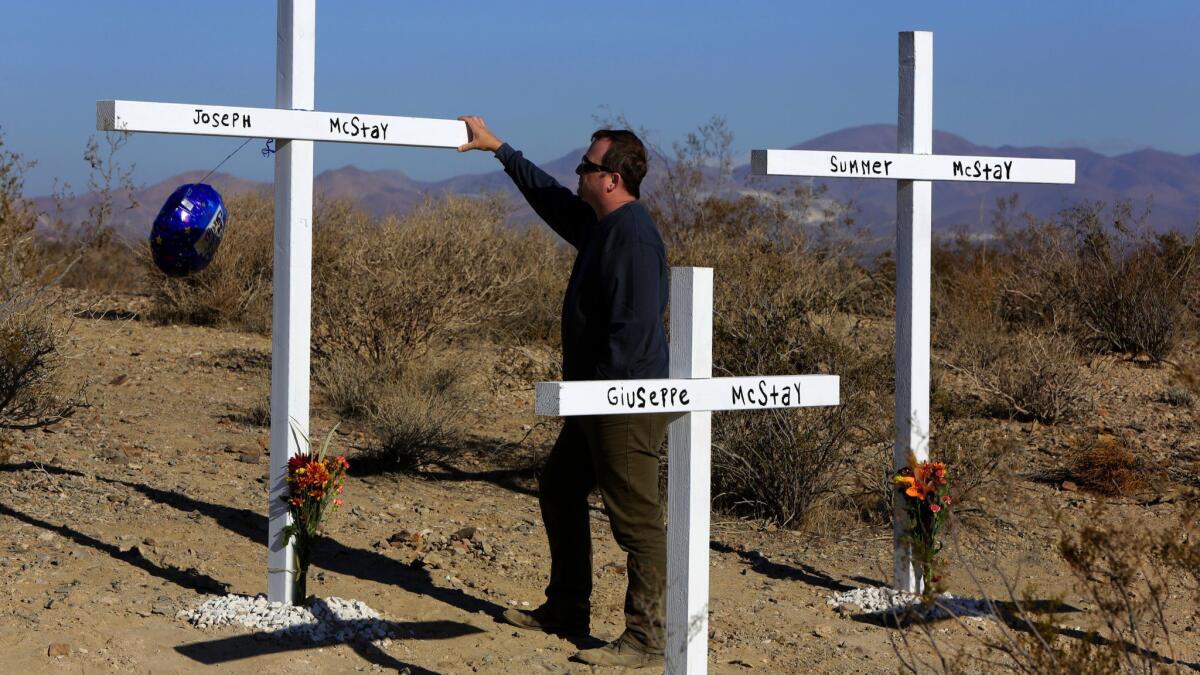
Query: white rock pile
[
  {"x": 321, "y": 621},
  {"x": 879, "y": 600}
]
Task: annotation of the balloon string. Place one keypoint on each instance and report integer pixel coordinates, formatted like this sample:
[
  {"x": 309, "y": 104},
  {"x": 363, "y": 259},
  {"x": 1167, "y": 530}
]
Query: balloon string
[{"x": 213, "y": 170}]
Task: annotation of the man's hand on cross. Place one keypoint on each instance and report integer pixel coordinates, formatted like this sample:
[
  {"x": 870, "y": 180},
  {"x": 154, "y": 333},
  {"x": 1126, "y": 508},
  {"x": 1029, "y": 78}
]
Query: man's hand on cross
[{"x": 479, "y": 137}]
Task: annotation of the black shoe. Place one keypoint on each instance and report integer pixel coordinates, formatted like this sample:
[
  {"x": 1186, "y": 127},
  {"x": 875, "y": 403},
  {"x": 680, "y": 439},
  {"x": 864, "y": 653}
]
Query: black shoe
[
  {"x": 621, "y": 652},
  {"x": 547, "y": 620}
]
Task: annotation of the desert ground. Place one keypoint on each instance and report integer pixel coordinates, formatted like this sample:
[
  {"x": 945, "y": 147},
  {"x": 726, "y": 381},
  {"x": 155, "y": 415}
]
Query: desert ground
[{"x": 153, "y": 497}]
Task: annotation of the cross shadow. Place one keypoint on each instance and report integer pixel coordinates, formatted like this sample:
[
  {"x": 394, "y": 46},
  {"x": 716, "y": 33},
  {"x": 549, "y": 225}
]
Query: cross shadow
[
  {"x": 190, "y": 578},
  {"x": 108, "y": 314},
  {"x": 799, "y": 572},
  {"x": 509, "y": 479},
  {"x": 333, "y": 555},
  {"x": 34, "y": 466},
  {"x": 225, "y": 650}
]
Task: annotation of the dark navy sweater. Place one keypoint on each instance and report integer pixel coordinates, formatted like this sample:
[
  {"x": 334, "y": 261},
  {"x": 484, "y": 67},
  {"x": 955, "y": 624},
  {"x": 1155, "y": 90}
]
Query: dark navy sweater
[{"x": 612, "y": 314}]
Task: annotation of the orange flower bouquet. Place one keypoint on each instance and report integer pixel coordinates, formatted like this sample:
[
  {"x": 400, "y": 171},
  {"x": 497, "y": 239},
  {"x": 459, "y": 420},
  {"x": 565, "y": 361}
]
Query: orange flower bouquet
[
  {"x": 926, "y": 495},
  {"x": 315, "y": 482}
]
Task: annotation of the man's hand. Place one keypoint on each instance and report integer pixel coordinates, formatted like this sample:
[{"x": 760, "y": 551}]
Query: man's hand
[{"x": 479, "y": 137}]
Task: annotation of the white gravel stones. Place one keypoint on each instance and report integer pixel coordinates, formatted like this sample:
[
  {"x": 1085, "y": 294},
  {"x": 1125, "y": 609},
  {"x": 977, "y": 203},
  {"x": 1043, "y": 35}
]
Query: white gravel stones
[
  {"x": 879, "y": 600},
  {"x": 320, "y": 621}
]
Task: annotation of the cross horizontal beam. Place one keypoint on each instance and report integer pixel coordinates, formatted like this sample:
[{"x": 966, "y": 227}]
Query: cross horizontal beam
[
  {"x": 904, "y": 166},
  {"x": 305, "y": 125},
  {"x": 613, "y": 397}
]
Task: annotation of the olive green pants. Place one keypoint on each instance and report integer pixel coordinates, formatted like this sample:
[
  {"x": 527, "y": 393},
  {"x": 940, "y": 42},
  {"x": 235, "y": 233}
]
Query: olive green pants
[{"x": 620, "y": 454}]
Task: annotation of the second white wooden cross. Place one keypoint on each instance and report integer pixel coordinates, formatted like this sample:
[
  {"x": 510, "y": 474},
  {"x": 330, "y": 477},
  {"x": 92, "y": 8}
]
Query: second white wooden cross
[
  {"x": 914, "y": 166},
  {"x": 294, "y": 125},
  {"x": 694, "y": 392}
]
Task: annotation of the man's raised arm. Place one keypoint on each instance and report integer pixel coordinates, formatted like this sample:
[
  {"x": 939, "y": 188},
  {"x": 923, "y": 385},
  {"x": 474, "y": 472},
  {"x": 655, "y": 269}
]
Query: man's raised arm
[{"x": 562, "y": 210}]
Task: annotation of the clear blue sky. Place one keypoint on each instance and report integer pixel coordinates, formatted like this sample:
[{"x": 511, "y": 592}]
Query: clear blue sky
[{"x": 1110, "y": 75}]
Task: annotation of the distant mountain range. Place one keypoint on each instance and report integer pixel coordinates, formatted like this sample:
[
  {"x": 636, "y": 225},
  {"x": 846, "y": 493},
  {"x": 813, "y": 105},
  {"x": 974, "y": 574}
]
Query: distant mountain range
[{"x": 1170, "y": 181}]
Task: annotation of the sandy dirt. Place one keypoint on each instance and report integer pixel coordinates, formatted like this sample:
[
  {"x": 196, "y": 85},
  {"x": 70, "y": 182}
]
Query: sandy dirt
[{"x": 154, "y": 496}]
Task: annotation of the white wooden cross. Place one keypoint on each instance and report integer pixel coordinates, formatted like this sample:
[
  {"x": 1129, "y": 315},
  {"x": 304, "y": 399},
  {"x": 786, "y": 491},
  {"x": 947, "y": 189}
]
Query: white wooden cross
[
  {"x": 914, "y": 166},
  {"x": 694, "y": 392},
  {"x": 294, "y": 125}
]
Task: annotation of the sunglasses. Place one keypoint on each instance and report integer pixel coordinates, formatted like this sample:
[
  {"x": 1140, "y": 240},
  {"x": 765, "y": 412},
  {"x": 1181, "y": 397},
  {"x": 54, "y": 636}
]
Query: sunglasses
[{"x": 588, "y": 166}]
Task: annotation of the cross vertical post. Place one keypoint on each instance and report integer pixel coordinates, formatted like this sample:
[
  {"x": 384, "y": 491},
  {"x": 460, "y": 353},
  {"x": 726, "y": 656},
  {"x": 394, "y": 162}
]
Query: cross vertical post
[
  {"x": 295, "y": 126},
  {"x": 688, "y": 477},
  {"x": 295, "y": 81},
  {"x": 913, "y": 251},
  {"x": 914, "y": 166},
  {"x": 690, "y": 394}
]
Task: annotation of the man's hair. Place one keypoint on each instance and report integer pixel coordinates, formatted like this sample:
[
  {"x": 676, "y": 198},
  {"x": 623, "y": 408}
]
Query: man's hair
[{"x": 626, "y": 156}]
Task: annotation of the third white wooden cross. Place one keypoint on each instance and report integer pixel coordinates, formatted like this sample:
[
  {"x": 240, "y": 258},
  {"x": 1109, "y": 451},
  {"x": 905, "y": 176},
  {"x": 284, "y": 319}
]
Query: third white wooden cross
[
  {"x": 692, "y": 391},
  {"x": 914, "y": 166}
]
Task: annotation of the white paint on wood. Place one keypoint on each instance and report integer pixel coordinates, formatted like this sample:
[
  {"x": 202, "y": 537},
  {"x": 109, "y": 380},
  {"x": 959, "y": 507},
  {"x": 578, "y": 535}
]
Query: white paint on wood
[
  {"x": 292, "y": 282},
  {"x": 913, "y": 167},
  {"x": 614, "y": 397},
  {"x": 896, "y": 166},
  {"x": 693, "y": 391},
  {"x": 689, "y": 448},
  {"x": 294, "y": 124},
  {"x": 913, "y": 250}
]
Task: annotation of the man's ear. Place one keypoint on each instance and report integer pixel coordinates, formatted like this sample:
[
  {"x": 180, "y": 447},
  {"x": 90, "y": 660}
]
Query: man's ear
[{"x": 615, "y": 182}]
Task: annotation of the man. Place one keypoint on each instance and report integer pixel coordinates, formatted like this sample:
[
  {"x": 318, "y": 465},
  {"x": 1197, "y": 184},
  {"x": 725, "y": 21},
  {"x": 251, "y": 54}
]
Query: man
[{"x": 612, "y": 329}]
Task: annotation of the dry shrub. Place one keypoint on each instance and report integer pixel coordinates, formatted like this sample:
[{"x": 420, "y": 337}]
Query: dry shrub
[
  {"x": 1026, "y": 375},
  {"x": 349, "y": 384},
  {"x": 1130, "y": 301},
  {"x": 33, "y": 392},
  {"x": 545, "y": 266},
  {"x": 1115, "y": 568},
  {"x": 1098, "y": 271},
  {"x": 1127, "y": 571},
  {"x": 776, "y": 306},
  {"x": 1003, "y": 332},
  {"x": 1036, "y": 268},
  {"x": 784, "y": 290},
  {"x": 1186, "y": 378},
  {"x": 1107, "y": 465},
  {"x": 1096, "y": 276},
  {"x": 974, "y": 456},
  {"x": 257, "y": 414},
  {"x": 235, "y": 289},
  {"x": 19, "y": 261},
  {"x": 33, "y": 389},
  {"x": 392, "y": 292},
  {"x": 394, "y": 288},
  {"x": 417, "y": 418}
]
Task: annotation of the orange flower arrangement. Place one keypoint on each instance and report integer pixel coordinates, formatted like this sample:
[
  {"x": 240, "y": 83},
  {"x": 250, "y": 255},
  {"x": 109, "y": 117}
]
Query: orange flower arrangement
[
  {"x": 926, "y": 494},
  {"x": 315, "y": 482}
]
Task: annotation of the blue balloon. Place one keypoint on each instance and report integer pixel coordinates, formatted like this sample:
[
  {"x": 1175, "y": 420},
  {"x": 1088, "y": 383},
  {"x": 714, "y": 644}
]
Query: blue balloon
[{"x": 188, "y": 229}]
